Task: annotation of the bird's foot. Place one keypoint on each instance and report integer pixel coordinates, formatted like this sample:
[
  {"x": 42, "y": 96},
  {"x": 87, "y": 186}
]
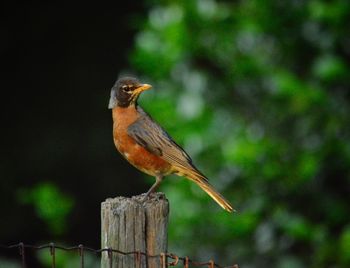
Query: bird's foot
[{"x": 148, "y": 196}]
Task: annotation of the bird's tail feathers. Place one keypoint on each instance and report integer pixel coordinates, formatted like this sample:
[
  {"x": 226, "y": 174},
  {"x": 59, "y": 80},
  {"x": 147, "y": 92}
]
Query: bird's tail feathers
[{"x": 203, "y": 183}]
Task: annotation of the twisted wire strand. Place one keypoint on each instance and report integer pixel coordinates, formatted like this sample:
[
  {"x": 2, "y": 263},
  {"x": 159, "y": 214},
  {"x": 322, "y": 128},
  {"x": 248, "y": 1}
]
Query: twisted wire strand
[{"x": 175, "y": 260}]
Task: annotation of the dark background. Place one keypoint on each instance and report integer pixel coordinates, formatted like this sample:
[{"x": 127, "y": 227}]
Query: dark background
[{"x": 59, "y": 62}]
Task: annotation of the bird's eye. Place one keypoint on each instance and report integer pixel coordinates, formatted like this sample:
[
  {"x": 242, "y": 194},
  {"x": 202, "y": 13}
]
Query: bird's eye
[{"x": 126, "y": 88}]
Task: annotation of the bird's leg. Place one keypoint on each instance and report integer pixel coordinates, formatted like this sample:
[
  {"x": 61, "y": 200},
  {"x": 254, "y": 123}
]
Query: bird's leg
[{"x": 154, "y": 187}]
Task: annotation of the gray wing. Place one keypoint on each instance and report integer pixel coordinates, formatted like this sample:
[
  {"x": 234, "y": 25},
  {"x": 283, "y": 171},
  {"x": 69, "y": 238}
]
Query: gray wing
[{"x": 156, "y": 140}]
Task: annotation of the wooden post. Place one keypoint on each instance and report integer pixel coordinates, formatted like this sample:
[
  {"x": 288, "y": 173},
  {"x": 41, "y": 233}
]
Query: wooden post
[{"x": 131, "y": 224}]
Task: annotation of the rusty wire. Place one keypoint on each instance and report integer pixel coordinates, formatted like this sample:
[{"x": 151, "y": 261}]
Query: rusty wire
[{"x": 166, "y": 259}]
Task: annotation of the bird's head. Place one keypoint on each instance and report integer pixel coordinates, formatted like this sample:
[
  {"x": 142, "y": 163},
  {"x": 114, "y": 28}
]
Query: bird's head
[{"x": 126, "y": 91}]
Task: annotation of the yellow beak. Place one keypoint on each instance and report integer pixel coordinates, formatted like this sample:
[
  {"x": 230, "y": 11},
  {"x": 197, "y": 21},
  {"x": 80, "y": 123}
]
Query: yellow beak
[{"x": 141, "y": 88}]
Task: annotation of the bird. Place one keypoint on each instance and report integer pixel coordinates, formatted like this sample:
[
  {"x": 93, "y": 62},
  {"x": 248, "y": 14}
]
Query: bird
[{"x": 146, "y": 145}]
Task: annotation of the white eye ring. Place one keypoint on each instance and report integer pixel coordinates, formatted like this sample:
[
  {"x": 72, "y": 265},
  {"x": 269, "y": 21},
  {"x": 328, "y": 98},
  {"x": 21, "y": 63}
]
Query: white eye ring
[{"x": 126, "y": 88}]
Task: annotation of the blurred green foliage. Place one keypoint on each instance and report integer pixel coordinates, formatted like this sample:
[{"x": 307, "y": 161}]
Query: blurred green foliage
[
  {"x": 68, "y": 259},
  {"x": 9, "y": 263},
  {"x": 51, "y": 205},
  {"x": 258, "y": 93}
]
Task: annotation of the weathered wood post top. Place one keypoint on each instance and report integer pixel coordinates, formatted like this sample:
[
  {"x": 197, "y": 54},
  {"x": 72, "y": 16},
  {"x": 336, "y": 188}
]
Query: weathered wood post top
[{"x": 131, "y": 225}]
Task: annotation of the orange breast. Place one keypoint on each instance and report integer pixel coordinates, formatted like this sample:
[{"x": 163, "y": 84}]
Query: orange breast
[{"x": 132, "y": 151}]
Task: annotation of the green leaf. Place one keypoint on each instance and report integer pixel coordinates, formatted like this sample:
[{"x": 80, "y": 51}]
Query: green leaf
[{"x": 51, "y": 205}]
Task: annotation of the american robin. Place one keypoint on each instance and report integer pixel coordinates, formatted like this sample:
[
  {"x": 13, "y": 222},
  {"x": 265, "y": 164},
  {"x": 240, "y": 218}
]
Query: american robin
[{"x": 146, "y": 145}]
